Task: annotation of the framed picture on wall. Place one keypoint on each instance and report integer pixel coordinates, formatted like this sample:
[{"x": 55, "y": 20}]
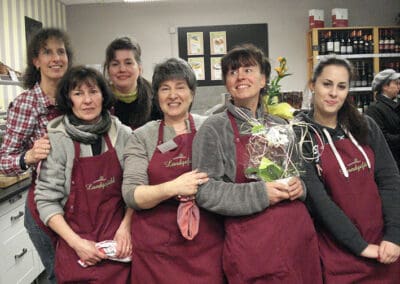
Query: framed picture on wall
[{"x": 31, "y": 28}]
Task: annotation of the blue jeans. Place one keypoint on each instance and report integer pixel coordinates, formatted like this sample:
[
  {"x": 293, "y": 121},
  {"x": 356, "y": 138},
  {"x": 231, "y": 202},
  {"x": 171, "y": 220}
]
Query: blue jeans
[{"x": 42, "y": 243}]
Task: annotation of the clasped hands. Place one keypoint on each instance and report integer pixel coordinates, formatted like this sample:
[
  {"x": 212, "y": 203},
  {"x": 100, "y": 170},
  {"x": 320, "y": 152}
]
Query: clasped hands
[{"x": 278, "y": 191}]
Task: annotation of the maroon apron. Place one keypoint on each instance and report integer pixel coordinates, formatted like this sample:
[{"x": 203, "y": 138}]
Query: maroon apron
[
  {"x": 359, "y": 199},
  {"x": 52, "y": 113},
  {"x": 278, "y": 245},
  {"x": 94, "y": 211},
  {"x": 161, "y": 253}
]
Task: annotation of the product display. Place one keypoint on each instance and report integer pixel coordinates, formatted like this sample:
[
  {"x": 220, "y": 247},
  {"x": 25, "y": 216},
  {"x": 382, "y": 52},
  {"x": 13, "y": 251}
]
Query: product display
[{"x": 369, "y": 49}]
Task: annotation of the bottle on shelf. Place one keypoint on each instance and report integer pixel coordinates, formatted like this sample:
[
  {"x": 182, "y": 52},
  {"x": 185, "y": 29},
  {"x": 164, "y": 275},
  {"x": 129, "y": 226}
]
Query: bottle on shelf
[
  {"x": 366, "y": 44},
  {"x": 360, "y": 42},
  {"x": 381, "y": 42},
  {"x": 343, "y": 46},
  {"x": 322, "y": 44},
  {"x": 329, "y": 43},
  {"x": 349, "y": 45},
  {"x": 355, "y": 42},
  {"x": 371, "y": 44},
  {"x": 370, "y": 74},
  {"x": 392, "y": 44},
  {"x": 336, "y": 43},
  {"x": 363, "y": 76},
  {"x": 357, "y": 82},
  {"x": 386, "y": 42}
]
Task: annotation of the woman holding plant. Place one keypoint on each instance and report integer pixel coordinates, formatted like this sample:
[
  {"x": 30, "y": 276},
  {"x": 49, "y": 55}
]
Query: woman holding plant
[{"x": 269, "y": 234}]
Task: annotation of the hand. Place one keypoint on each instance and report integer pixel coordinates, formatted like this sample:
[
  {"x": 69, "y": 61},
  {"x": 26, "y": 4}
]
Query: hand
[
  {"x": 88, "y": 253},
  {"x": 295, "y": 189},
  {"x": 371, "y": 251},
  {"x": 277, "y": 192},
  {"x": 39, "y": 151},
  {"x": 388, "y": 252},
  {"x": 124, "y": 241},
  {"x": 188, "y": 183}
]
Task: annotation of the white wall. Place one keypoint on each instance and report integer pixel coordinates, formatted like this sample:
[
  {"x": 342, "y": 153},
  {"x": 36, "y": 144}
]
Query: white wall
[
  {"x": 12, "y": 34},
  {"x": 93, "y": 26}
]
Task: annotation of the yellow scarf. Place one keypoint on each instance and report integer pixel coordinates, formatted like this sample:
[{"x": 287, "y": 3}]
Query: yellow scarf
[{"x": 126, "y": 98}]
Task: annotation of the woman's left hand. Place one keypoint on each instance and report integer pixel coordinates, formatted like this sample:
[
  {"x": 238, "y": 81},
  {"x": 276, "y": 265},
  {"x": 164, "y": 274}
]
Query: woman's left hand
[
  {"x": 295, "y": 188},
  {"x": 124, "y": 241},
  {"x": 388, "y": 252}
]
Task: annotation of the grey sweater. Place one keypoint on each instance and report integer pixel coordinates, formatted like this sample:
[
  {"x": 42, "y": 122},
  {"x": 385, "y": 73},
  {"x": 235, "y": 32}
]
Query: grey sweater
[
  {"x": 138, "y": 153},
  {"x": 214, "y": 153},
  {"x": 54, "y": 180}
]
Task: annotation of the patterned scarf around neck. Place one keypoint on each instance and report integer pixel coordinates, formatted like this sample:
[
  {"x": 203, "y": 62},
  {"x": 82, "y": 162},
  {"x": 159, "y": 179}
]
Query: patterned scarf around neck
[{"x": 86, "y": 133}]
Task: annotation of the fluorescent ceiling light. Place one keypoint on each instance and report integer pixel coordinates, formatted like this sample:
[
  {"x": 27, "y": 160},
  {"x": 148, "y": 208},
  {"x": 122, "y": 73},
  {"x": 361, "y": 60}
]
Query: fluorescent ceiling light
[{"x": 137, "y": 1}]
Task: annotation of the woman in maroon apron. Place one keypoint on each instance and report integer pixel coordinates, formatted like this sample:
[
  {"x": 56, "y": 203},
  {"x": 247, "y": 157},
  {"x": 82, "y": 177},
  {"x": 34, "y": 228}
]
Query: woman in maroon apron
[
  {"x": 25, "y": 142},
  {"x": 269, "y": 235},
  {"x": 353, "y": 186},
  {"x": 78, "y": 192},
  {"x": 173, "y": 240}
]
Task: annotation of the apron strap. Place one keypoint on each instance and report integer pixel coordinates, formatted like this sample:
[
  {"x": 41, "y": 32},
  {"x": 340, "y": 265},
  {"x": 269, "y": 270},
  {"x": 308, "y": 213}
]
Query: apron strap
[
  {"x": 235, "y": 127},
  {"x": 161, "y": 129}
]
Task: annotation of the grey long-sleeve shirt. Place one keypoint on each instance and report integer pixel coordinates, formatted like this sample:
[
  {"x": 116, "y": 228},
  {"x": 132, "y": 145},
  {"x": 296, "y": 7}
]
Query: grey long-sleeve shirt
[
  {"x": 214, "y": 153},
  {"x": 138, "y": 153}
]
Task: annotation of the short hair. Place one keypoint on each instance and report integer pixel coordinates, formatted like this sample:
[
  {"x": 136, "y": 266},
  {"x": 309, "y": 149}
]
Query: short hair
[
  {"x": 122, "y": 43},
  {"x": 39, "y": 40},
  {"x": 170, "y": 69},
  {"x": 77, "y": 76},
  {"x": 245, "y": 55}
]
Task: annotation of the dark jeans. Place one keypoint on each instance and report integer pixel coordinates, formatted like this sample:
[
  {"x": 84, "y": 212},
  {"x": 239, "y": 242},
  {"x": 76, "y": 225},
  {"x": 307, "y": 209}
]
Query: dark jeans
[{"x": 42, "y": 243}]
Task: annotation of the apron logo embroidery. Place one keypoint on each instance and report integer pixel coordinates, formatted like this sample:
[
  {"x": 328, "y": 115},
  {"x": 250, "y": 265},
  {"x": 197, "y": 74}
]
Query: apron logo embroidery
[
  {"x": 100, "y": 183},
  {"x": 356, "y": 166},
  {"x": 179, "y": 161}
]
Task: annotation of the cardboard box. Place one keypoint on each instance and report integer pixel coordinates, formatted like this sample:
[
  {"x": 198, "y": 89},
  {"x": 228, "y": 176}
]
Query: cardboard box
[
  {"x": 316, "y": 18},
  {"x": 340, "y": 17}
]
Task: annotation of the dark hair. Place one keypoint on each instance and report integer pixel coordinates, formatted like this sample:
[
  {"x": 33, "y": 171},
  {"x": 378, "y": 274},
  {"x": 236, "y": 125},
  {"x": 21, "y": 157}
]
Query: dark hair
[
  {"x": 348, "y": 116},
  {"x": 32, "y": 74},
  {"x": 170, "y": 69},
  {"x": 245, "y": 55},
  {"x": 139, "y": 112},
  {"x": 122, "y": 43},
  {"x": 75, "y": 77}
]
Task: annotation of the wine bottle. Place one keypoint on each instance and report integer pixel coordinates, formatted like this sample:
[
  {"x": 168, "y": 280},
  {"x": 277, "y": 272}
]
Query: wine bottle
[
  {"x": 343, "y": 47},
  {"x": 363, "y": 75},
  {"x": 336, "y": 44},
  {"x": 360, "y": 42},
  {"x": 349, "y": 46},
  {"x": 366, "y": 44},
  {"x": 355, "y": 43},
  {"x": 391, "y": 42},
  {"x": 322, "y": 44},
  {"x": 329, "y": 43},
  {"x": 386, "y": 42},
  {"x": 381, "y": 42}
]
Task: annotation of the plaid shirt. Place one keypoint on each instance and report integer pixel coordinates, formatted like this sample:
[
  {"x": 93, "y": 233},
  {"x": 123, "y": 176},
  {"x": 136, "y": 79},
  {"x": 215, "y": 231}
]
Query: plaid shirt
[{"x": 27, "y": 119}]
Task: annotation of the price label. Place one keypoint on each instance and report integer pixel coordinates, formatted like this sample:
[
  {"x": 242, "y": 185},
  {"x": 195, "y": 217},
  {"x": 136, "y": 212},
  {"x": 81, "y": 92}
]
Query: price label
[{"x": 13, "y": 76}]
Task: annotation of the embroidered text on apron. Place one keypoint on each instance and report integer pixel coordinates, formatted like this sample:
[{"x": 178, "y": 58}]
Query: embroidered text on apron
[
  {"x": 161, "y": 254},
  {"x": 359, "y": 199},
  {"x": 94, "y": 210}
]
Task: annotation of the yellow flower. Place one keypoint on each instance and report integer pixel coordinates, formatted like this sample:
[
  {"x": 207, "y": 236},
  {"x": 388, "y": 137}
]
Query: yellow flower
[{"x": 280, "y": 58}]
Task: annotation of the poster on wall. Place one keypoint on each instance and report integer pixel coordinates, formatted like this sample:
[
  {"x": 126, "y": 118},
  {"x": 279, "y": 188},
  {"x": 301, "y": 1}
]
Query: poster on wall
[
  {"x": 217, "y": 43},
  {"x": 216, "y": 70},
  {"x": 195, "y": 43},
  {"x": 197, "y": 64},
  {"x": 32, "y": 26}
]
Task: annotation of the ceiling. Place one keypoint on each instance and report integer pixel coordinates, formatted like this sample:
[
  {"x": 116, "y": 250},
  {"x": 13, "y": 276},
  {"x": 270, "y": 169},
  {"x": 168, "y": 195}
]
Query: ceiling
[{"x": 77, "y": 2}]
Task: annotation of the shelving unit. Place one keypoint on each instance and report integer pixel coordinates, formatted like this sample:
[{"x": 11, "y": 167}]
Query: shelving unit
[
  {"x": 313, "y": 44},
  {"x": 366, "y": 64}
]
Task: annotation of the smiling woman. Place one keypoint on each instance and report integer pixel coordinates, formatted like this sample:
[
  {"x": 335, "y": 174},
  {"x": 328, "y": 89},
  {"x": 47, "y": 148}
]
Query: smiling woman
[
  {"x": 84, "y": 137},
  {"x": 158, "y": 177}
]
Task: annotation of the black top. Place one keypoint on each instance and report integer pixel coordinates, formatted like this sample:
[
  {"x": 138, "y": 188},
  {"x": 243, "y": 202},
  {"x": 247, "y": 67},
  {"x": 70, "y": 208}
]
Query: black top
[{"x": 328, "y": 214}]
